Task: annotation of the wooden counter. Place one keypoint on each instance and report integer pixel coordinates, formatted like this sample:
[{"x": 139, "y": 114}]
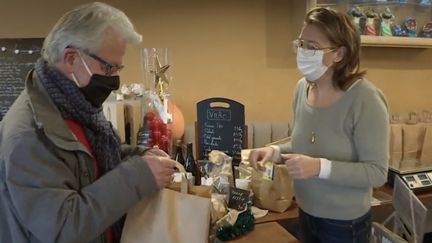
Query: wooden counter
[
  {"x": 269, "y": 232},
  {"x": 291, "y": 213},
  {"x": 424, "y": 196},
  {"x": 268, "y": 229}
]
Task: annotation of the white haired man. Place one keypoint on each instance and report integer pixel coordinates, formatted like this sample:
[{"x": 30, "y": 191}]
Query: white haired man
[{"x": 63, "y": 174}]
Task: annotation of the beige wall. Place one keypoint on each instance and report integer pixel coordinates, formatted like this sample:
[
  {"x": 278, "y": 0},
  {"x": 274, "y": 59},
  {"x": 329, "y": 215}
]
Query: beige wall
[{"x": 238, "y": 49}]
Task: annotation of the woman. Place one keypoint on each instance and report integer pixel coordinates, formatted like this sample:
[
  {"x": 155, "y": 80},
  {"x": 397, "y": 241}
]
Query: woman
[{"x": 339, "y": 146}]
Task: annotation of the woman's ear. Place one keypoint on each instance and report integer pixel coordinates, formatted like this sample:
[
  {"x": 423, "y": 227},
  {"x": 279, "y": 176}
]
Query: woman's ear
[{"x": 340, "y": 53}]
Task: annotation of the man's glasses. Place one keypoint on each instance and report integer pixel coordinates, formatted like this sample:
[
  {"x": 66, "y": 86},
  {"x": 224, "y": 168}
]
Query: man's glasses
[
  {"x": 108, "y": 68},
  {"x": 309, "y": 49}
]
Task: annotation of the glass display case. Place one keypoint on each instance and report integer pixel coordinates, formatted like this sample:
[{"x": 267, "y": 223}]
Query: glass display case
[{"x": 387, "y": 23}]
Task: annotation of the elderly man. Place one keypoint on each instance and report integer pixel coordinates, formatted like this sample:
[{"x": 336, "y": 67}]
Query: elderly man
[{"x": 63, "y": 174}]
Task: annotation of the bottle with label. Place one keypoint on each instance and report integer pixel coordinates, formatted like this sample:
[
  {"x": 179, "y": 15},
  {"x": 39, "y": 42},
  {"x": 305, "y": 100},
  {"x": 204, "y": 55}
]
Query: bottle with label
[
  {"x": 192, "y": 166},
  {"x": 178, "y": 156}
]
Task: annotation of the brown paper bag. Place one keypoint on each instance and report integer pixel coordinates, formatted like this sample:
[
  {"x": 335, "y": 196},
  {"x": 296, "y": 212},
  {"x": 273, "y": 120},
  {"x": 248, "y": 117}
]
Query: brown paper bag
[
  {"x": 201, "y": 191},
  {"x": 413, "y": 135},
  {"x": 395, "y": 145},
  {"x": 275, "y": 195},
  {"x": 169, "y": 217},
  {"x": 426, "y": 155}
]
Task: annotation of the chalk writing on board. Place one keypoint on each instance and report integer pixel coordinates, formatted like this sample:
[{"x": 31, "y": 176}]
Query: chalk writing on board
[
  {"x": 212, "y": 141},
  {"x": 218, "y": 115},
  {"x": 220, "y": 127},
  {"x": 12, "y": 82},
  {"x": 237, "y": 139},
  {"x": 17, "y": 57}
]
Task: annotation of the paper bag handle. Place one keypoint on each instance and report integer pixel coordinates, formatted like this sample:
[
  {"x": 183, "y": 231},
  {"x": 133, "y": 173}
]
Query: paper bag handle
[{"x": 184, "y": 181}]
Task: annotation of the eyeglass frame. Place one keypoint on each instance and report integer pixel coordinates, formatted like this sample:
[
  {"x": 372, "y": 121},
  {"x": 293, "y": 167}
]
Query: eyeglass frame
[
  {"x": 298, "y": 43},
  {"x": 108, "y": 68}
]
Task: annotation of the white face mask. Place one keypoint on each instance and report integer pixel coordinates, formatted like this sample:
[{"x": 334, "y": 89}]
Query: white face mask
[{"x": 310, "y": 66}]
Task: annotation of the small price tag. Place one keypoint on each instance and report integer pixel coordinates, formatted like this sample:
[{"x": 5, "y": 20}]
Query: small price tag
[
  {"x": 268, "y": 173},
  {"x": 238, "y": 198}
]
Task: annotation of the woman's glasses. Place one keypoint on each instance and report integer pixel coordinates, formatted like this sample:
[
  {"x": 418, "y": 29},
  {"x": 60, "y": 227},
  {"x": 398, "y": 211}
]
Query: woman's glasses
[{"x": 309, "y": 48}]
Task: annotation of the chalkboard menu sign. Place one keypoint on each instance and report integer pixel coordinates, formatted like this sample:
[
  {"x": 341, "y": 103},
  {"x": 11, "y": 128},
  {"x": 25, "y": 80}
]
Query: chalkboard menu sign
[
  {"x": 220, "y": 126},
  {"x": 17, "y": 57}
]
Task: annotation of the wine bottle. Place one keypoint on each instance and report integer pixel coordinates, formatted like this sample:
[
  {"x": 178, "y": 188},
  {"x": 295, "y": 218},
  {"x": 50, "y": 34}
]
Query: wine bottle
[
  {"x": 179, "y": 153},
  {"x": 191, "y": 165}
]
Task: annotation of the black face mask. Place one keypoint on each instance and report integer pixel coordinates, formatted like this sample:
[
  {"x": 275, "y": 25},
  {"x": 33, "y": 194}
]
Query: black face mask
[{"x": 99, "y": 88}]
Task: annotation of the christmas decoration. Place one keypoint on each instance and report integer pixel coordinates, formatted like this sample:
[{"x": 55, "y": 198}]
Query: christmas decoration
[
  {"x": 157, "y": 119},
  {"x": 245, "y": 223},
  {"x": 160, "y": 78}
]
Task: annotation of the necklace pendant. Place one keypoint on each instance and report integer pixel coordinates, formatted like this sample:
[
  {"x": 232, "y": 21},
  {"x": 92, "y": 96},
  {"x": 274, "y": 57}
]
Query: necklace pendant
[{"x": 312, "y": 139}]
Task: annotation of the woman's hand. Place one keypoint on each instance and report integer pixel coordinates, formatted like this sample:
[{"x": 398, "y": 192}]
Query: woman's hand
[
  {"x": 257, "y": 157},
  {"x": 302, "y": 166}
]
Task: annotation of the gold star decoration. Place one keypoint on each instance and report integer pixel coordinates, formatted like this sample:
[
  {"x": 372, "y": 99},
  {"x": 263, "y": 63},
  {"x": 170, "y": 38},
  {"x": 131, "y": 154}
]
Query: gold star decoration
[{"x": 161, "y": 80}]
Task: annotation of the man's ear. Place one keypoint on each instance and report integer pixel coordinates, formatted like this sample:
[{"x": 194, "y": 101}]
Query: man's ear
[
  {"x": 340, "y": 53},
  {"x": 69, "y": 58}
]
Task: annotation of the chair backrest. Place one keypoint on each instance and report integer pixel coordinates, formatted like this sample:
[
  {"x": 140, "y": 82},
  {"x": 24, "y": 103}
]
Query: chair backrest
[{"x": 262, "y": 133}]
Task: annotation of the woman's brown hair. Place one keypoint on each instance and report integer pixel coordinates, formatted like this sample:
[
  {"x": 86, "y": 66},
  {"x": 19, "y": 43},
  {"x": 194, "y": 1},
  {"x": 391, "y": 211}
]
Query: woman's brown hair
[{"x": 341, "y": 32}]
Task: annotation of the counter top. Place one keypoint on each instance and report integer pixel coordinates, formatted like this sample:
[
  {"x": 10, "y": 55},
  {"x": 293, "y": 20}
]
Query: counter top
[
  {"x": 268, "y": 229},
  {"x": 269, "y": 232}
]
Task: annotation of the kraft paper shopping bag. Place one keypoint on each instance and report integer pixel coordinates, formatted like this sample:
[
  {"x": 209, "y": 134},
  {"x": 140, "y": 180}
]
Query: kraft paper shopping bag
[
  {"x": 275, "y": 195},
  {"x": 169, "y": 217}
]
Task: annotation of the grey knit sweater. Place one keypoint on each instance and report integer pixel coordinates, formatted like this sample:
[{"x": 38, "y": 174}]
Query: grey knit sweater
[{"x": 353, "y": 134}]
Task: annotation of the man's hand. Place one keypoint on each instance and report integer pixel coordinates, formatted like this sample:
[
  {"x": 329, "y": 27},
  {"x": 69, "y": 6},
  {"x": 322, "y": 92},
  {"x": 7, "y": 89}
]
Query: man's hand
[
  {"x": 156, "y": 152},
  {"x": 162, "y": 169},
  {"x": 301, "y": 166},
  {"x": 257, "y": 157}
]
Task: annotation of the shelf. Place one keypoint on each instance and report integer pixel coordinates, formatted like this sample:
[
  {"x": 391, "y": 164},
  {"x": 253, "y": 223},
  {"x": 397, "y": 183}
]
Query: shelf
[
  {"x": 421, "y": 12},
  {"x": 375, "y": 4},
  {"x": 392, "y": 41}
]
